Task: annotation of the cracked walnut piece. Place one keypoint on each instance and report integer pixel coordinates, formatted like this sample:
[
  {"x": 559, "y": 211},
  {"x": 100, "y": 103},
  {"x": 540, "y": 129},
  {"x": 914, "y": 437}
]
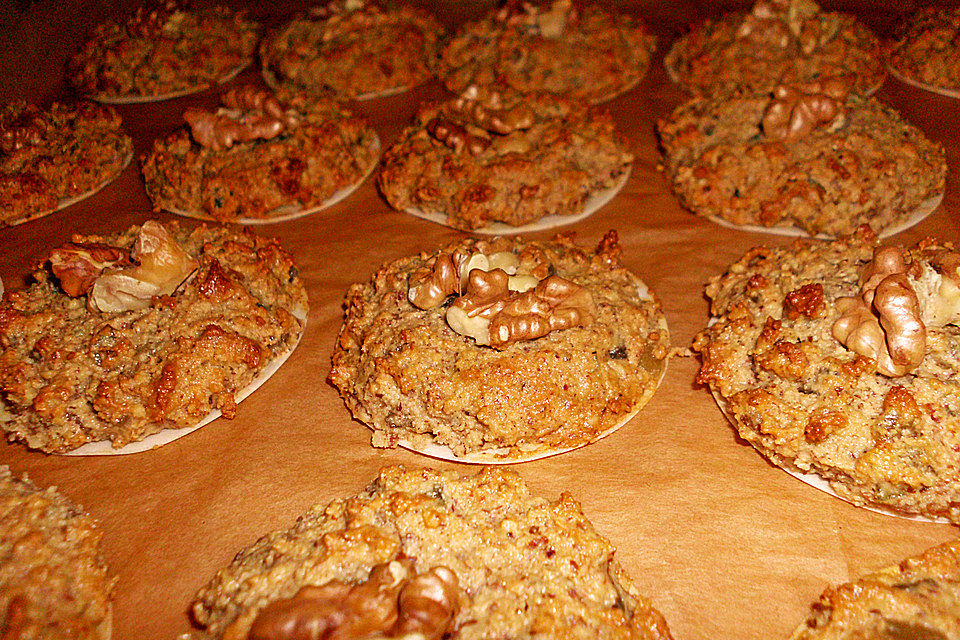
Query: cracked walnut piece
[
  {"x": 877, "y": 415},
  {"x": 796, "y": 110},
  {"x": 393, "y": 602},
  {"x": 888, "y": 321},
  {"x": 422, "y": 554},
  {"x": 247, "y": 115},
  {"x": 462, "y": 346}
]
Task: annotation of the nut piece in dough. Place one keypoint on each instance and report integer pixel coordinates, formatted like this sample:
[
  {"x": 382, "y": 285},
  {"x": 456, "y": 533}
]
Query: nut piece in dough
[
  {"x": 392, "y": 602},
  {"x": 78, "y": 265},
  {"x": 164, "y": 265},
  {"x": 247, "y": 115}
]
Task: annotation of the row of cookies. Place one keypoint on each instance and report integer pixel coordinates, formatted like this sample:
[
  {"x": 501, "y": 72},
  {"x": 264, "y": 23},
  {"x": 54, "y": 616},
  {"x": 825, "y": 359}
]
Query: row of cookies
[
  {"x": 419, "y": 554},
  {"x": 483, "y": 161}
]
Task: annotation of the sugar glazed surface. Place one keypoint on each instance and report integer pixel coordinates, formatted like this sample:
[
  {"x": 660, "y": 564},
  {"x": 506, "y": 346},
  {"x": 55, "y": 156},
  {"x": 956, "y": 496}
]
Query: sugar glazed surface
[
  {"x": 48, "y": 157},
  {"x": 811, "y": 156},
  {"x": 447, "y": 348},
  {"x": 355, "y": 48},
  {"x": 927, "y": 48},
  {"x": 840, "y": 359},
  {"x": 160, "y": 327},
  {"x": 157, "y": 52},
  {"x": 514, "y": 565},
  {"x": 53, "y": 579},
  {"x": 565, "y": 47},
  {"x": 778, "y": 40},
  {"x": 488, "y": 156},
  {"x": 260, "y": 156},
  {"x": 918, "y": 599}
]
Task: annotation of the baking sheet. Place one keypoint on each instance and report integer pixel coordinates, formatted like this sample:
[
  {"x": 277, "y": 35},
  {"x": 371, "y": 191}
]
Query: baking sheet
[
  {"x": 590, "y": 206},
  {"x": 725, "y": 546}
]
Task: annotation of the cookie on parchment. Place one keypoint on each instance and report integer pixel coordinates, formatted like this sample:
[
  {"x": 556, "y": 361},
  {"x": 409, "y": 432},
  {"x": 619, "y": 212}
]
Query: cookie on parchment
[
  {"x": 121, "y": 337},
  {"x": 809, "y": 158},
  {"x": 163, "y": 51},
  {"x": 505, "y": 162},
  {"x": 355, "y": 48},
  {"x": 261, "y": 158},
  {"x": 53, "y": 579},
  {"x": 500, "y": 350},
  {"x": 919, "y": 598},
  {"x": 52, "y": 158},
  {"x": 776, "y": 41},
  {"x": 926, "y": 50},
  {"x": 430, "y": 555},
  {"x": 574, "y": 49},
  {"x": 839, "y": 359}
]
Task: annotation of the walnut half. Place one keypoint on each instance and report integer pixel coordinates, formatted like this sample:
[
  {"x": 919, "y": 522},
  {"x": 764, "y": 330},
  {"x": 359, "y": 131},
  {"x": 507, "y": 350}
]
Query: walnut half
[
  {"x": 392, "y": 602},
  {"x": 496, "y": 304},
  {"x": 163, "y": 266},
  {"x": 796, "y": 110},
  {"x": 884, "y": 322}
]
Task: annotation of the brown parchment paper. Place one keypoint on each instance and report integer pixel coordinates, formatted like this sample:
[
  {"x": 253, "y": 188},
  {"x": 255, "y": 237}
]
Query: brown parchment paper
[{"x": 726, "y": 545}]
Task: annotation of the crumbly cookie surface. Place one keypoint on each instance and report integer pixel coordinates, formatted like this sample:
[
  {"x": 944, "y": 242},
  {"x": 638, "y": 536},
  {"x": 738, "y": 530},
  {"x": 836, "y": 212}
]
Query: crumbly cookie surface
[
  {"x": 490, "y": 156},
  {"x": 355, "y": 48},
  {"x": 565, "y": 47},
  {"x": 777, "y": 40},
  {"x": 917, "y": 598},
  {"x": 424, "y": 376},
  {"x": 863, "y": 164},
  {"x": 53, "y": 579},
  {"x": 882, "y": 433},
  {"x": 163, "y": 51},
  {"x": 259, "y": 157},
  {"x": 134, "y": 352},
  {"x": 526, "y": 566},
  {"x": 927, "y": 48},
  {"x": 50, "y": 156}
]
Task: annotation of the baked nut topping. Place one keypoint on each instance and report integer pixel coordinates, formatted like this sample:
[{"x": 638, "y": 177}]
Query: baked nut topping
[
  {"x": 775, "y": 41},
  {"x": 392, "y": 602},
  {"x": 498, "y": 156},
  {"x": 462, "y": 346},
  {"x": 247, "y": 115},
  {"x": 565, "y": 47},
  {"x": 421, "y": 554},
  {"x": 163, "y": 50},
  {"x": 844, "y": 364},
  {"x": 354, "y": 48},
  {"x": 796, "y": 110},
  {"x": 497, "y": 306},
  {"x": 173, "y": 325},
  {"x": 807, "y": 156},
  {"x": 888, "y": 321},
  {"x": 260, "y": 156}
]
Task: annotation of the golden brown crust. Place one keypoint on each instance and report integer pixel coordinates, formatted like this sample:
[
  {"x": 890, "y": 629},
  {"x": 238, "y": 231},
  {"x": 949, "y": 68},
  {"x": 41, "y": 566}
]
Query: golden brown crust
[
  {"x": 54, "y": 583},
  {"x": 409, "y": 374},
  {"x": 918, "y": 598}
]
